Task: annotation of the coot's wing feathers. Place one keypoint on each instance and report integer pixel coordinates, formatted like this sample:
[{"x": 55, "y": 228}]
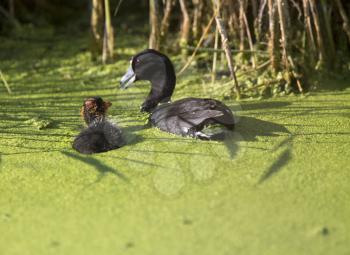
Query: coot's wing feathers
[
  {"x": 183, "y": 125},
  {"x": 200, "y": 116},
  {"x": 194, "y": 111}
]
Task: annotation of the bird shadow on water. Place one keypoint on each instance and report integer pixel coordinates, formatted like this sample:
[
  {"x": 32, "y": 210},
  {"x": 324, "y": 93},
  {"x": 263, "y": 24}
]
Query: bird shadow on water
[
  {"x": 248, "y": 129},
  {"x": 102, "y": 168},
  {"x": 282, "y": 160},
  {"x": 276, "y": 166},
  {"x": 252, "y": 128}
]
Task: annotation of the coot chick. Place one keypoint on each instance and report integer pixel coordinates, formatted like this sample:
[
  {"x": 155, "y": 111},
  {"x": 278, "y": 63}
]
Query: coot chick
[
  {"x": 186, "y": 117},
  {"x": 101, "y": 135}
]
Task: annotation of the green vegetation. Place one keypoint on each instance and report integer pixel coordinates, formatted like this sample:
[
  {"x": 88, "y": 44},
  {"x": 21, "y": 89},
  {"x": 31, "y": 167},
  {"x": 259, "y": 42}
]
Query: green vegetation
[{"x": 280, "y": 185}]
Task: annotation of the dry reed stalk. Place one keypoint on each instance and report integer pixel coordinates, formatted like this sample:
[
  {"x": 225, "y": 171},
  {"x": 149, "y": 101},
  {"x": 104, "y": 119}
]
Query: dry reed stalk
[
  {"x": 226, "y": 47},
  {"x": 346, "y": 24},
  {"x": 7, "y": 86},
  {"x": 189, "y": 61},
  {"x": 154, "y": 13}
]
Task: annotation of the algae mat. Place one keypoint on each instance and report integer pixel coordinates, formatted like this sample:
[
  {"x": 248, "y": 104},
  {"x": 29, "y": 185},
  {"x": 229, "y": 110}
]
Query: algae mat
[{"x": 278, "y": 185}]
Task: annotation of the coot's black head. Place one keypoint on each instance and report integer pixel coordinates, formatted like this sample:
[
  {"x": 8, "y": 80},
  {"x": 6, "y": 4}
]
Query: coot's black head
[
  {"x": 94, "y": 108},
  {"x": 152, "y": 66}
]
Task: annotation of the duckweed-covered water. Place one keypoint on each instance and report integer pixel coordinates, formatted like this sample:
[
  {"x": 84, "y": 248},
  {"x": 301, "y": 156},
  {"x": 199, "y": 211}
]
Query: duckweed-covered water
[{"x": 278, "y": 185}]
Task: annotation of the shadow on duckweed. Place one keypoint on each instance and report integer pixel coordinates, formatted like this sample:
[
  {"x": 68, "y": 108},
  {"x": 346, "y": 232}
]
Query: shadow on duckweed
[
  {"x": 129, "y": 160},
  {"x": 277, "y": 165},
  {"x": 98, "y": 165},
  {"x": 282, "y": 159},
  {"x": 251, "y": 128}
]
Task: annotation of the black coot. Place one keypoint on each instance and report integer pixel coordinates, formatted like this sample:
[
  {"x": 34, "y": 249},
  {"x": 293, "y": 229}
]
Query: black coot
[{"x": 188, "y": 116}]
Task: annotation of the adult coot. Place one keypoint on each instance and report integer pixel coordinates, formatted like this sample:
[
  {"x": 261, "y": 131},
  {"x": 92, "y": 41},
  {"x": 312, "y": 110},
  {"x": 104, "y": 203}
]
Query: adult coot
[{"x": 186, "y": 117}]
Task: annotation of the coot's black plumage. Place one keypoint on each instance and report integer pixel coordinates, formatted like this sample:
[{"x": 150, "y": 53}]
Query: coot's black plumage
[
  {"x": 188, "y": 117},
  {"x": 185, "y": 117},
  {"x": 101, "y": 135}
]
